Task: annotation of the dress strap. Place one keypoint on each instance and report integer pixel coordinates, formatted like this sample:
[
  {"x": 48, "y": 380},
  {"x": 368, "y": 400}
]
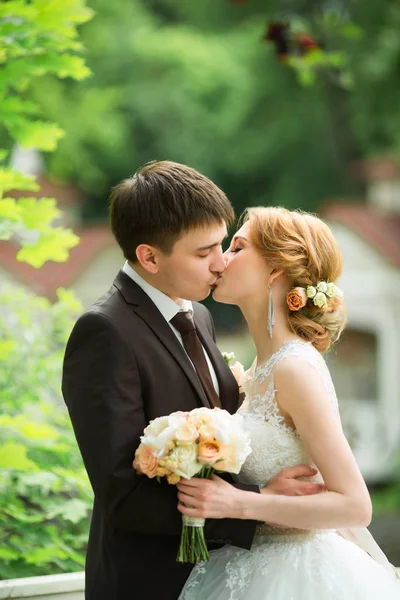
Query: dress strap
[{"x": 291, "y": 348}]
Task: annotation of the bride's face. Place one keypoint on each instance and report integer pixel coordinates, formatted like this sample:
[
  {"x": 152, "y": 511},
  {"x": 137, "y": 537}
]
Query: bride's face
[{"x": 246, "y": 275}]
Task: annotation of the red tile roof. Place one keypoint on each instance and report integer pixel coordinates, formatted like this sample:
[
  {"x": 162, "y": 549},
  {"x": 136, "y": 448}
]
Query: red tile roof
[
  {"x": 52, "y": 275},
  {"x": 380, "y": 230},
  {"x": 377, "y": 168}
]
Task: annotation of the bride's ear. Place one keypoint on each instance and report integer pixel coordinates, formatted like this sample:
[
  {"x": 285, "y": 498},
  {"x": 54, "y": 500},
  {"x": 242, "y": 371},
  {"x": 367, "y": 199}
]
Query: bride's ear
[{"x": 275, "y": 273}]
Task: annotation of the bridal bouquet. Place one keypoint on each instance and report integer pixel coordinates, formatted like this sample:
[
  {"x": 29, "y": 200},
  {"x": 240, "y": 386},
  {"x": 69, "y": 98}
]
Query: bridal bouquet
[{"x": 192, "y": 444}]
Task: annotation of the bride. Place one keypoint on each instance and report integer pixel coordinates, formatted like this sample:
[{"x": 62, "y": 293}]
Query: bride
[{"x": 281, "y": 270}]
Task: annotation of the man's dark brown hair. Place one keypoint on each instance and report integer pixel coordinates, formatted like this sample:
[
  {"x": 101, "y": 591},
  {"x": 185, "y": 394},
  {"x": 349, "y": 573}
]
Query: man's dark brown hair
[{"x": 162, "y": 201}]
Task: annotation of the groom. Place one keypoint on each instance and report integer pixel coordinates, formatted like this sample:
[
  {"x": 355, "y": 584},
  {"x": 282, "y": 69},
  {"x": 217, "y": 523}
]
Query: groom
[{"x": 141, "y": 351}]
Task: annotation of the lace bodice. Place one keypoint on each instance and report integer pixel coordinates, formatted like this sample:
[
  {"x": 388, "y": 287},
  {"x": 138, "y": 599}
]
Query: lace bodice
[
  {"x": 286, "y": 563},
  {"x": 275, "y": 444}
]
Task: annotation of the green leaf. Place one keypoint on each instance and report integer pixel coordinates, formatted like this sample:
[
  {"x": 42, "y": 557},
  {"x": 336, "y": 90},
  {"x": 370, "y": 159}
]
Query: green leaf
[
  {"x": 40, "y": 556},
  {"x": 38, "y": 213},
  {"x": 53, "y": 244},
  {"x": 14, "y": 456},
  {"x": 73, "y": 510},
  {"x": 37, "y": 431},
  {"x": 352, "y": 31},
  {"x": 306, "y": 77},
  {"x": 6, "y": 347},
  {"x": 69, "y": 299},
  {"x": 8, "y": 554},
  {"x": 336, "y": 59},
  {"x": 38, "y": 134},
  {"x": 69, "y": 65},
  {"x": 42, "y": 480},
  {"x": 13, "y": 180},
  {"x": 9, "y": 209}
]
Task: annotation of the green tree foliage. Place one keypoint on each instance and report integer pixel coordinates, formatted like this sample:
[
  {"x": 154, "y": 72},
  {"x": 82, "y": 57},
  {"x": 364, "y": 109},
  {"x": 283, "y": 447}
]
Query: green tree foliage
[
  {"x": 194, "y": 82},
  {"x": 36, "y": 38},
  {"x": 28, "y": 220},
  {"x": 45, "y": 496}
]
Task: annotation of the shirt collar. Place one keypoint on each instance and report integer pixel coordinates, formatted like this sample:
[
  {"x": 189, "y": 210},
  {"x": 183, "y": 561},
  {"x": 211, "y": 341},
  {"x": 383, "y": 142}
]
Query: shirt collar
[{"x": 167, "y": 307}]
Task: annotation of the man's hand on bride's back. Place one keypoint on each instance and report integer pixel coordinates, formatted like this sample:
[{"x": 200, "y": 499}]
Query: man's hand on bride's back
[{"x": 287, "y": 482}]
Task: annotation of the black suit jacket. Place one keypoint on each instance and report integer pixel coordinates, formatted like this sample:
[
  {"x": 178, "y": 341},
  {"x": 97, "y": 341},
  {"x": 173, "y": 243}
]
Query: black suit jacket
[{"x": 124, "y": 366}]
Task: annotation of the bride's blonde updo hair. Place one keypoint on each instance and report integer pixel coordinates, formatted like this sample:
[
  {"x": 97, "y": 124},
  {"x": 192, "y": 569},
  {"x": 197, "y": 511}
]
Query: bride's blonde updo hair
[{"x": 304, "y": 247}]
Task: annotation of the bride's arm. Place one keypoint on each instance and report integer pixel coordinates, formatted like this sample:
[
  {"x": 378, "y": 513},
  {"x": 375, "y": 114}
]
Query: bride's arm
[{"x": 303, "y": 397}]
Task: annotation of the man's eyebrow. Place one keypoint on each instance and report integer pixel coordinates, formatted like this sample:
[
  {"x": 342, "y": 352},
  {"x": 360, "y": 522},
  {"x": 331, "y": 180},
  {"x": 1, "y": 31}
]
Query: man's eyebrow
[{"x": 211, "y": 245}]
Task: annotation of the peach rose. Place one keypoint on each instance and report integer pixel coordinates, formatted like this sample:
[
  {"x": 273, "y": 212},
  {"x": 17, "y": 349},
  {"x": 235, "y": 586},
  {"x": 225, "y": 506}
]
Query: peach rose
[
  {"x": 145, "y": 462},
  {"x": 238, "y": 372},
  {"x": 173, "y": 479},
  {"x": 209, "y": 451},
  {"x": 162, "y": 471},
  {"x": 296, "y": 298}
]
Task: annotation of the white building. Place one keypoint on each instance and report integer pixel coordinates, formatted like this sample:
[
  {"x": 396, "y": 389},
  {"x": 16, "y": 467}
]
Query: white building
[{"x": 366, "y": 362}]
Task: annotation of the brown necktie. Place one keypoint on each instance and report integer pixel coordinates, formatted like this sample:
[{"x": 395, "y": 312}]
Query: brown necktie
[{"x": 184, "y": 323}]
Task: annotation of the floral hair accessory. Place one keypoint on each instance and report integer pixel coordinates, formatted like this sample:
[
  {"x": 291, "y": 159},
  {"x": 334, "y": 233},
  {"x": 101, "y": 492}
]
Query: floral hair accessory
[
  {"x": 296, "y": 298},
  {"x": 319, "y": 294}
]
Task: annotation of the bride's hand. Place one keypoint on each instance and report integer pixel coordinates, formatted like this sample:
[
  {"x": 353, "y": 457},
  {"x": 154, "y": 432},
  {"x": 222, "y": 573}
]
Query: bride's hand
[{"x": 210, "y": 498}]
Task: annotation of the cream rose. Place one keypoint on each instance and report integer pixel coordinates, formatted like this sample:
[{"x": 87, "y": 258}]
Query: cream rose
[
  {"x": 322, "y": 286},
  {"x": 320, "y": 300},
  {"x": 186, "y": 434},
  {"x": 185, "y": 458},
  {"x": 331, "y": 290},
  {"x": 206, "y": 433},
  {"x": 160, "y": 432},
  {"x": 311, "y": 291},
  {"x": 296, "y": 298}
]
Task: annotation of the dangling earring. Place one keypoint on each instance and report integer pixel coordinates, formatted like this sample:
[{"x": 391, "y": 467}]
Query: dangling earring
[{"x": 271, "y": 314}]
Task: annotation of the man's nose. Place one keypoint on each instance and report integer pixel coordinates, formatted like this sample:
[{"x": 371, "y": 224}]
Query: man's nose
[{"x": 218, "y": 265}]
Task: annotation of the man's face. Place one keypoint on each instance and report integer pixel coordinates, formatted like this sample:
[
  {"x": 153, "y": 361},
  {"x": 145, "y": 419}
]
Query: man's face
[{"x": 195, "y": 264}]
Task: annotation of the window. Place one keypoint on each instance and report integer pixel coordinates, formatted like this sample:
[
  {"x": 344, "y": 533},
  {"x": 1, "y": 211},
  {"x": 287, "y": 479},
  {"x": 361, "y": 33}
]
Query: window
[{"x": 353, "y": 365}]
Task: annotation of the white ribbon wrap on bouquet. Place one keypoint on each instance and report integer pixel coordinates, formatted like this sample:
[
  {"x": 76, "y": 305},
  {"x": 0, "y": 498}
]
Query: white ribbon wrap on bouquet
[{"x": 193, "y": 521}]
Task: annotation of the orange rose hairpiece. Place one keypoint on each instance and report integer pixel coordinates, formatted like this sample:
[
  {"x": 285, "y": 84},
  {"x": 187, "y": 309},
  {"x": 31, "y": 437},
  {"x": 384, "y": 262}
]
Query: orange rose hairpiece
[
  {"x": 296, "y": 298},
  {"x": 320, "y": 295}
]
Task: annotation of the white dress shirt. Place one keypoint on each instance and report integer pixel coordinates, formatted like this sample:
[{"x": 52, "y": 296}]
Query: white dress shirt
[{"x": 168, "y": 308}]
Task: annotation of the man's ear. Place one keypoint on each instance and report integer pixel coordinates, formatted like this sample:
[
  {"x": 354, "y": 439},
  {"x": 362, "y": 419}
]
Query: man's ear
[
  {"x": 147, "y": 257},
  {"x": 275, "y": 273}
]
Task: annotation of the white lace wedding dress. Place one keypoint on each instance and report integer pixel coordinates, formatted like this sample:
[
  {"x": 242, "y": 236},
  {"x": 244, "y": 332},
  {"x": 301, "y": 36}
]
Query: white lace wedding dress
[{"x": 286, "y": 564}]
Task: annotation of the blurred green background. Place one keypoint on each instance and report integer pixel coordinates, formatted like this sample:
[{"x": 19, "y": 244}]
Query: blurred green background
[{"x": 315, "y": 128}]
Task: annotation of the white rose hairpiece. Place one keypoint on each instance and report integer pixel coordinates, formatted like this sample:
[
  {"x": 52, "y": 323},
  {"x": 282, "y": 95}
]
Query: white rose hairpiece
[{"x": 298, "y": 296}]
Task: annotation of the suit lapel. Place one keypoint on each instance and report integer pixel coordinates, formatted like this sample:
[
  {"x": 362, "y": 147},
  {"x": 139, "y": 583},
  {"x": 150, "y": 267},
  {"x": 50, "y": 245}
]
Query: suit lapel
[
  {"x": 228, "y": 389},
  {"x": 146, "y": 309}
]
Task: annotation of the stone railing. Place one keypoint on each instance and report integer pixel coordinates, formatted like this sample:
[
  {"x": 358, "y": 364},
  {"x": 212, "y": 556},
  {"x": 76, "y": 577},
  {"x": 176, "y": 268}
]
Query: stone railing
[{"x": 50, "y": 587}]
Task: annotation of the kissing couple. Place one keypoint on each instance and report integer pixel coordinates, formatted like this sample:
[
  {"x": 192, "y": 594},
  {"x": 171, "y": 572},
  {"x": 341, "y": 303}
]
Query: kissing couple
[{"x": 293, "y": 524}]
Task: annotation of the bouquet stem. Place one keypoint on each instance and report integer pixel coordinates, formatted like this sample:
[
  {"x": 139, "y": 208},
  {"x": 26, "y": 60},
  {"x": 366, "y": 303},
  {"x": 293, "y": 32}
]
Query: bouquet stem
[{"x": 193, "y": 546}]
